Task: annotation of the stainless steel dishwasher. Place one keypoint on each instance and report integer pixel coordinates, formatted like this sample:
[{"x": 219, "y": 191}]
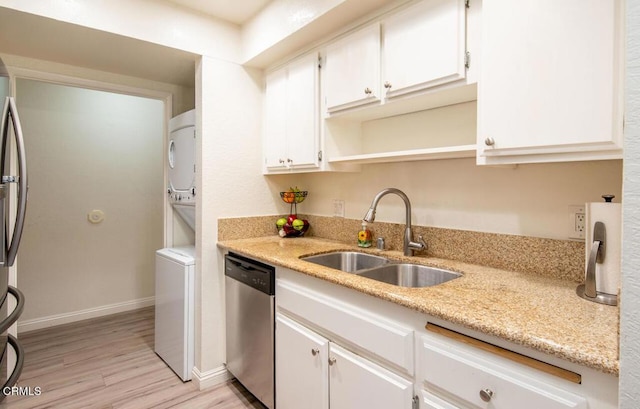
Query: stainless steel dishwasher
[{"x": 250, "y": 312}]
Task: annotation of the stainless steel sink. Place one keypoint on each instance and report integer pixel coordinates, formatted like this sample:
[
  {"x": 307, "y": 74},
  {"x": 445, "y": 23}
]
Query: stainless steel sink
[
  {"x": 349, "y": 261},
  {"x": 409, "y": 275}
]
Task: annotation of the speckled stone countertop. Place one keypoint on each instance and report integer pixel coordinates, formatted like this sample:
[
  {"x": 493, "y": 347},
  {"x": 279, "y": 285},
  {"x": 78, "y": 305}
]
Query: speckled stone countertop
[{"x": 538, "y": 312}]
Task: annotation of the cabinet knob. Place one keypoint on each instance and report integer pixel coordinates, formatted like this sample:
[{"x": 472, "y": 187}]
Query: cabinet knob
[
  {"x": 387, "y": 85},
  {"x": 486, "y": 395},
  {"x": 281, "y": 161},
  {"x": 289, "y": 160},
  {"x": 332, "y": 361},
  {"x": 368, "y": 91},
  {"x": 315, "y": 351},
  {"x": 489, "y": 142}
]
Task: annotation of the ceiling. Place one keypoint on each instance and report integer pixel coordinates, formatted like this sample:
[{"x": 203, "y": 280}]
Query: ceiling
[{"x": 235, "y": 11}]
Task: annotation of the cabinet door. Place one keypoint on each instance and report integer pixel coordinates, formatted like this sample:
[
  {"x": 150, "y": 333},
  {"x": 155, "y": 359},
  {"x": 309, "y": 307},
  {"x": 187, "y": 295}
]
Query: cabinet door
[
  {"x": 302, "y": 112},
  {"x": 301, "y": 367},
  {"x": 550, "y": 78},
  {"x": 424, "y": 46},
  {"x": 356, "y": 382},
  {"x": 291, "y": 131},
  {"x": 275, "y": 129},
  {"x": 353, "y": 70},
  {"x": 430, "y": 401}
]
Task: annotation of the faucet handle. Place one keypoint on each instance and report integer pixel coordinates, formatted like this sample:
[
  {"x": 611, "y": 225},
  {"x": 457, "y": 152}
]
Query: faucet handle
[
  {"x": 421, "y": 241},
  {"x": 420, "y": 245}
]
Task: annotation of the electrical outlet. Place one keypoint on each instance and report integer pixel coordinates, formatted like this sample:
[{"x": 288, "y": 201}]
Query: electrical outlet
[
  {"x": 338, "y": 208},
  {"x": 577, "y": 222}
]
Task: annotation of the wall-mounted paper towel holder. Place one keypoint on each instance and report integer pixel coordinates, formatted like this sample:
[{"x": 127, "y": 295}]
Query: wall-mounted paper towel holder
[{"x": 597, "y": 254}]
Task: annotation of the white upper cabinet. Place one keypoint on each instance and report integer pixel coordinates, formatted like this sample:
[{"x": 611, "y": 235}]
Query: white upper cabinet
[
  {"x": 424, "y": 46},
  {"x": 353, "y": 70},
  {"x": 416, "y": 50},
  {"x": 291, "y": 128},
  {"x": 275, "y": 129},
  {"x": 550, "y": 83}
]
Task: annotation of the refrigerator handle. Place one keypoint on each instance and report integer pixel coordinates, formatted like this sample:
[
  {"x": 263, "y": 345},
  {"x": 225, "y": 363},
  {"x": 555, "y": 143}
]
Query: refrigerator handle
[
  {"x": 17, "y": 369},
  {"x": 17, "y": 311},
  {"x": 22, "y": 184}
]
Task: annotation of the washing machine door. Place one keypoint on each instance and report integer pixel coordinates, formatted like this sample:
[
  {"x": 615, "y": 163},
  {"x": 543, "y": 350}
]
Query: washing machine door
[{"x": 182, "y": 164}]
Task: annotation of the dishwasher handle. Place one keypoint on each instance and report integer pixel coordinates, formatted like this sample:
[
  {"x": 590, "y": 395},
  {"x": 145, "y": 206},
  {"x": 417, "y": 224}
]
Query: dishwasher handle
[
  {"x": 250, "y": 272},
  {"x": 238, "y": 264}
]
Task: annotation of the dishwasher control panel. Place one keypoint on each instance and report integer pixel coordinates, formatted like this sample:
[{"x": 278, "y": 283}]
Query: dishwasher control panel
[{"x": 250, "y": 272}]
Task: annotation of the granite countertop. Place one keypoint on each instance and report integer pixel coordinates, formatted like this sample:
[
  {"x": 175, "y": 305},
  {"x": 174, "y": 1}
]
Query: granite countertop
[{"x": 538, "y": 312}]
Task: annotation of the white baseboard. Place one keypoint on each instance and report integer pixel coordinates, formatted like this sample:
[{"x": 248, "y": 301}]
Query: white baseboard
[
  {"x": 59, "y": 319},
  {"x": 216, "y": 376}
]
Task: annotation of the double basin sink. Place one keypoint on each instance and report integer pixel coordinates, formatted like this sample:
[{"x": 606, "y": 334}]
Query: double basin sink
[{"x": 382, "y": 269}]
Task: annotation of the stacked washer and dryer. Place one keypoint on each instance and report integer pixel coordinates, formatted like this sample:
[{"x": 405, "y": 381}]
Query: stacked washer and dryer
[{"x": 175, "y": 266}]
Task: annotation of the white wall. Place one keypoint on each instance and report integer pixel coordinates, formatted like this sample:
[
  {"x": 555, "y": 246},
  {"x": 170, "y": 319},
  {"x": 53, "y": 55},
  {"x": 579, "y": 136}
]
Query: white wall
[
  {"x": 279, "y": 20},
  {"x": 530, "y": 200},
  {"x": 630, "y": 291},
  {"x": 230, "y": 183},
  {"x": 89, "y": 150}
]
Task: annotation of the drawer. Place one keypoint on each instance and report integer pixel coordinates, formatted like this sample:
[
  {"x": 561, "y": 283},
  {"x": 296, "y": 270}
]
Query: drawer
[
  {"x": 462, "y": 373},
  {"x": 385, "y": 339}
]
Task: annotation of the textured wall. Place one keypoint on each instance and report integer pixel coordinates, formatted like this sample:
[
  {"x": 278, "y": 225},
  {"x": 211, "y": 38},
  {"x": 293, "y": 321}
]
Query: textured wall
[
  {"x": 630, "y": 297},
  {"x": 230, "y": 182}
]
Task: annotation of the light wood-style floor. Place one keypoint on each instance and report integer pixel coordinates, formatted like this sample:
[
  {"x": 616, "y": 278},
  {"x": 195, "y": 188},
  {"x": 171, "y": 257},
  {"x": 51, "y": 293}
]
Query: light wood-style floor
[{"x": 109, "y": 363}]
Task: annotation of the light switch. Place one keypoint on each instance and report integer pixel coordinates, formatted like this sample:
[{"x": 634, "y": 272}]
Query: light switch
[{"x": 338, "y": 208}]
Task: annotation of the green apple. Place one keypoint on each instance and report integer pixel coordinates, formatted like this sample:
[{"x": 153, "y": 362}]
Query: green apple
[
  {"x": 298, "y": 224},
  {"x": 281, "y": 222}
]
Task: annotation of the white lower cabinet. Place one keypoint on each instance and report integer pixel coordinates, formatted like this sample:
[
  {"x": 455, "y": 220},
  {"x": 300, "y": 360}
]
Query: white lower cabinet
[
  {"x": 455, "y": 376},
  {"x": 430, "y": 401},
  {"x": 341, "y": 349},
  {"x": 315, "y": 373},
  {"x": 355, "y": 382},
  {"x": 302, "y": 362}
]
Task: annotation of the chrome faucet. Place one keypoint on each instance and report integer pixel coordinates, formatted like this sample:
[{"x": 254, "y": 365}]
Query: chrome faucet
[{"x": 409, "y": 245}]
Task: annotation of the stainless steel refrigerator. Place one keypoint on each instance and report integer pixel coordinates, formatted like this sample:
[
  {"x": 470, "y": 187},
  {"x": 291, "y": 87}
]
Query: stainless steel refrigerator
[{"x": 11, "y": 225}]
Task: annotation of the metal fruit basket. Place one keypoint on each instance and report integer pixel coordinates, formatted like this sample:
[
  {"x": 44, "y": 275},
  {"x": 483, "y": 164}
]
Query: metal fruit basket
[{"x": 293, "y": 198}]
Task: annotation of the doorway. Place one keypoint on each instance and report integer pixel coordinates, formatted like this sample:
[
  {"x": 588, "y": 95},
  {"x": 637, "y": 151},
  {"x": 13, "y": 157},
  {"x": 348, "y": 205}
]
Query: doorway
[{"x": 95, "y": 214}]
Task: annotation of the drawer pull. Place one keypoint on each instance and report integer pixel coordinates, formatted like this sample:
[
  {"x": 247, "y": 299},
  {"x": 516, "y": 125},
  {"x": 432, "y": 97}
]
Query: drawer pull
[
  {"x": 486, "y": 395},
  {"x": 315, "y": 351},
  {"x": 332, "y": 361}
]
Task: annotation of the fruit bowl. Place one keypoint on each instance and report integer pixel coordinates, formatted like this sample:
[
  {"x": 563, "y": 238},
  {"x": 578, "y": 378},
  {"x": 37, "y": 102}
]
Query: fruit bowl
[
  {"x": 293, "y": 197},
  {"x": 292, "y": 226}
]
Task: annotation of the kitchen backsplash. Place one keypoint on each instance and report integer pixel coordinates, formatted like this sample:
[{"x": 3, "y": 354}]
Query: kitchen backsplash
[{"x": 563, "y": 259}]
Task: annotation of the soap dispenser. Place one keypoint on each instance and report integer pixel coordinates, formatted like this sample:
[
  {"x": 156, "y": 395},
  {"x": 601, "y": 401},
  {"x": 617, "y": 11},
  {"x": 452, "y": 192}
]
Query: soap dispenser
[{"x": 365, "y": 238}]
